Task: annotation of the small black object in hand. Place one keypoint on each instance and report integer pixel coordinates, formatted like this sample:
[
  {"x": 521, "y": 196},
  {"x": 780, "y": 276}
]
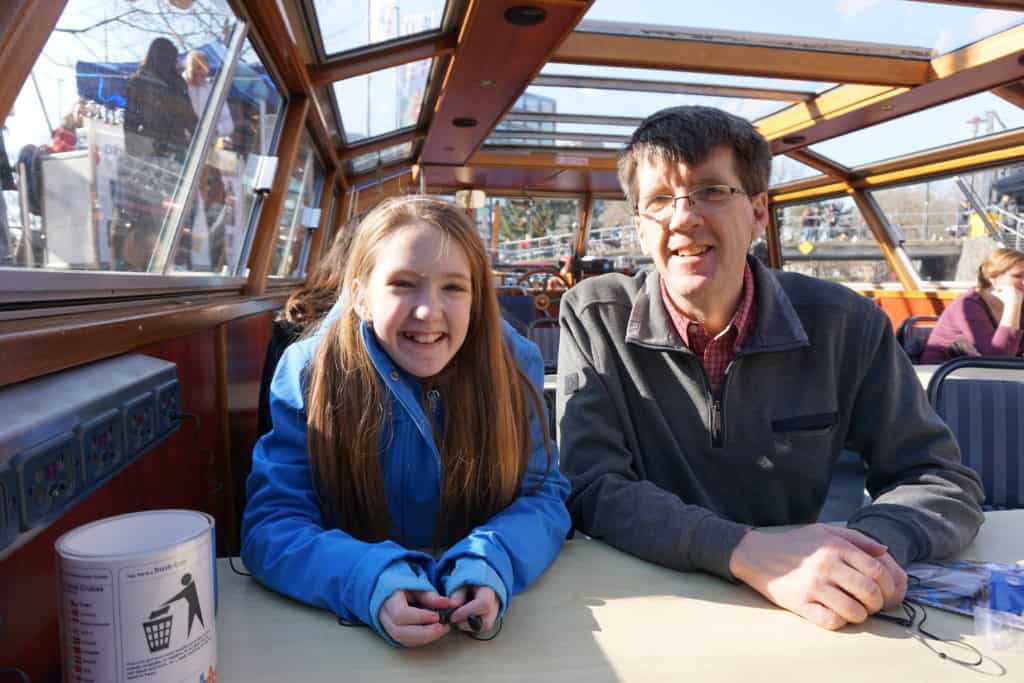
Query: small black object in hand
[
  {"x": 476, "y": 624},
  {"x": 445, "y": 615}
]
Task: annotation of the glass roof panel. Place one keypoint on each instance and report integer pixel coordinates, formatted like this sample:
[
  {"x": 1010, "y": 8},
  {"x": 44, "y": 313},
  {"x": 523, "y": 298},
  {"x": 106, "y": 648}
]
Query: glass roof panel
[
  {"x": 786, "y": 169},
  {"x": 939, "y": 27},
  {"x": 365, "y": 162},
  {"x": 353, "y": 24},
  {"x": 957, "y": 121},
  {"x": 555, "y": 69},
  {"x": 641, "y": 104},
  {"x": 383, "y": 101}
]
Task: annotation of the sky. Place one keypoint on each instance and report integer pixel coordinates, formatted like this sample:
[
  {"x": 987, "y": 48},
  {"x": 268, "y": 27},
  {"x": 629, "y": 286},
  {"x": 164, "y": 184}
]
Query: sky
[{"x": 936, "y": 27}]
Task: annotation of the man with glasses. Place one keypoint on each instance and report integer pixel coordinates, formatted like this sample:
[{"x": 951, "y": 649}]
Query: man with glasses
[{"x": 708, "y": 395}]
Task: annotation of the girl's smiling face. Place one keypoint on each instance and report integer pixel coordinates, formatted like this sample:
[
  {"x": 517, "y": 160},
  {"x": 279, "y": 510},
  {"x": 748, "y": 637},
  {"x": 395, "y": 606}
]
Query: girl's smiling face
[{"x": 418, "y": 298}]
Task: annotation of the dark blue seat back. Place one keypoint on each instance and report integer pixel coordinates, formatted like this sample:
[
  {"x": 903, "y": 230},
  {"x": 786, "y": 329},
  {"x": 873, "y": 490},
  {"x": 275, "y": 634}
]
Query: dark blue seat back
[
  {"x": 518, "y": 308},
  {"x": 544, "y": 332},
  {"x": 986, "y": 415}
]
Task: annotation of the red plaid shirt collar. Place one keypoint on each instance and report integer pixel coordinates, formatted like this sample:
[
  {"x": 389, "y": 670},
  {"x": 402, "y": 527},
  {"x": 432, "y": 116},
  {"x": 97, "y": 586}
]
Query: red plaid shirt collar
[{"x": 716, "y": 352}]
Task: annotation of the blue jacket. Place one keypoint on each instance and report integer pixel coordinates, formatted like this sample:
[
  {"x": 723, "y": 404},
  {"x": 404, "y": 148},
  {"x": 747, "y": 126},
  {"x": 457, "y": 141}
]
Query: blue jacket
[{"x": 287, "y": 548}]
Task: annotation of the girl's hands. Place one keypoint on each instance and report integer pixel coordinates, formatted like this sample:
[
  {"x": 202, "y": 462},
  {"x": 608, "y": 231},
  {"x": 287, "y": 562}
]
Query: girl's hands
[
  {"x": 479, "y": 601},
  {"x": 411, "y": 618}
]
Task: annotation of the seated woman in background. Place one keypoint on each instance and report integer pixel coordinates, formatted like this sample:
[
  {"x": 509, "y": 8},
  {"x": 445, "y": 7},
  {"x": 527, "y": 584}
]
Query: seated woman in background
[
  {"x": 410, "y": 419},
  {"x": 986, "y": 320}
]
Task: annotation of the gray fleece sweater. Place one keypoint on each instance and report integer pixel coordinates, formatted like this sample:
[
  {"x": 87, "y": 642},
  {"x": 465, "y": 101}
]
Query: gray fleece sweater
[{"x": 662, "y": 470}]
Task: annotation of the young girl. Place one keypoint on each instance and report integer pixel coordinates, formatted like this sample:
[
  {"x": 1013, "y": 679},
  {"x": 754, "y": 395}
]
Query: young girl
[{"x": 411, "y": 419}]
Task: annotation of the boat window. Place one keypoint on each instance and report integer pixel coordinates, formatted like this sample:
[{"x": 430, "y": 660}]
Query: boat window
[
  {"x": 298, "y": 216},
  {"x": 829, "y": 239},
  {"x": 383, "y": 101},
  {"x": 610, "y": 102},
  {"x": 117, "y": 109},
  {"x": 938, "y": 27},
  {"x": 530, "y": 229},
  {"x": 786, "y": 169},
  {"x": 970, "y": 118},
  {"x": 223, "y": 208},
  {"x": 949, "y": 225},
  {"x": 612, "y": 233},
  {"x": 353, "y": 24}
]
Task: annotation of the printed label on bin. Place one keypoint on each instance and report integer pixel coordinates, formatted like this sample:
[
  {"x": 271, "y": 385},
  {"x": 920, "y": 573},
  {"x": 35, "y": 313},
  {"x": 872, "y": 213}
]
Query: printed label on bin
[
  {"x": 167, "y": 617},
  {"x": 89, "y": 624}
]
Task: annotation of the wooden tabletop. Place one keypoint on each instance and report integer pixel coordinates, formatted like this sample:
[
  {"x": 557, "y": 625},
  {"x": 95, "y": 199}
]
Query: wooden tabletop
[{"x": 601, "y": 615}]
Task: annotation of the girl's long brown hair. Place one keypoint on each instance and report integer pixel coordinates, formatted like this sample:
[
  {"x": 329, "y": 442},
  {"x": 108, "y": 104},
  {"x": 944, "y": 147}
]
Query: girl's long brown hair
[{"x": 486, "y": 399}]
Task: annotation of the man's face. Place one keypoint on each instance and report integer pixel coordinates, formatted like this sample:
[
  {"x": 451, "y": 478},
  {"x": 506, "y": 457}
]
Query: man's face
[{"x": 699, "y": 250}]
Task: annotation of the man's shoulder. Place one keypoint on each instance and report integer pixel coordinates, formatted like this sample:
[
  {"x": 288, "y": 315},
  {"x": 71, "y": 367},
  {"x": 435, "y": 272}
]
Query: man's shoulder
[
  {"x": 609, "y": 289},
  {"x": 810, "y": 293}
]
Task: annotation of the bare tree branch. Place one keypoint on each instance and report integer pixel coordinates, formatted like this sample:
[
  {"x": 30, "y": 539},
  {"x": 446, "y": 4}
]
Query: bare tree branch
[{"x": 75, "y": 31}]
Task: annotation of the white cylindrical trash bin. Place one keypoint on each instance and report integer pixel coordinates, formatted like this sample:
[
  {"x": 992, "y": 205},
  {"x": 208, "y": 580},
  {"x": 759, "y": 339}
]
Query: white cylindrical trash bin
[{"x": 138, "y": 594}]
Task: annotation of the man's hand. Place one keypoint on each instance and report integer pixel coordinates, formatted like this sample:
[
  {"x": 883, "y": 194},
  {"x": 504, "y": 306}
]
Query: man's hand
[
  {"x": 478, "y": 600},
  {"x": 409, "y": 617},
  {"x": 831, "y": 576}
]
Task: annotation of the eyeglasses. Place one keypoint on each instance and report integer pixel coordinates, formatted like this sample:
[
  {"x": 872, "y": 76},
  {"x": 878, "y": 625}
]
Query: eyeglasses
[{"x": 662, "y": 207}]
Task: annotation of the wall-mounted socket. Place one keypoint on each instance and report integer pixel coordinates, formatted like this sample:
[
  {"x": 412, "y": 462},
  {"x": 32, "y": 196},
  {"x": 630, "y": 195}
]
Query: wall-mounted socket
[
  {"x": 168, "y": 404},
  {"x": 139, "y": 424},
  {"x": 102, "y": 445},
  {"x": 10, "y": 515},
  {"x": 49, "y": 477}
]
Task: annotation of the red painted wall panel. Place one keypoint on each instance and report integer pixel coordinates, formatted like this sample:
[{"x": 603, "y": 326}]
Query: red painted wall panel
[{"x": 183, "y": 472}]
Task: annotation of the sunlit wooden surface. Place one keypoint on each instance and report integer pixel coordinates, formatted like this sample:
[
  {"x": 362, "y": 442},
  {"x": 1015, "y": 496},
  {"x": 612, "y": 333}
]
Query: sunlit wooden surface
[{"x": 601, "y": 615}]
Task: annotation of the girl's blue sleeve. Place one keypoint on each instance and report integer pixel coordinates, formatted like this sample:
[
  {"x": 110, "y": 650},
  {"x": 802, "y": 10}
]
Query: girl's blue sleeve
[
  {"x": 521, "y": 541},
  {"x": 284, "y": 542}
]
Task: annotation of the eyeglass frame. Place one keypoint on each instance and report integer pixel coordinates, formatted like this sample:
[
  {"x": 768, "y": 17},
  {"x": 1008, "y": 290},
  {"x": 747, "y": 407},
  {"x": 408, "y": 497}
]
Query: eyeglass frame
[{"x": 689, "y": 198}]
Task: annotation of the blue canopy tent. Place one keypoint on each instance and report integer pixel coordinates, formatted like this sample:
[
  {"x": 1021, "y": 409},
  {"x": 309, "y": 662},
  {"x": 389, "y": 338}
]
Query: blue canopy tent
[{"x": 107, "y": 82}]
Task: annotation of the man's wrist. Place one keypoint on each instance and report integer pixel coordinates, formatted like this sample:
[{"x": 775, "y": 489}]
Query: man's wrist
[{"x": 739, "y": 563}]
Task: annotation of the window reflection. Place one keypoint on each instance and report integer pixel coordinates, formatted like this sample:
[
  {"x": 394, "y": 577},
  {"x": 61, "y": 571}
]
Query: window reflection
[
  {"x": 829, "y": 239},
  {"x": 949, "y": 225},
  {"x": 358, "y": 23},
  {"x": 528, "y": 229},
  {"x": 218, "y": 217},
  {"x": 383, "y": 101},
  {"x": 294, "y": 231},
  {"x": 100, "y": 134}
]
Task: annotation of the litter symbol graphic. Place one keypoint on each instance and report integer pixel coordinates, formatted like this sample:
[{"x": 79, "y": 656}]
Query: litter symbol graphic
[{"x": 158, "y": 627}]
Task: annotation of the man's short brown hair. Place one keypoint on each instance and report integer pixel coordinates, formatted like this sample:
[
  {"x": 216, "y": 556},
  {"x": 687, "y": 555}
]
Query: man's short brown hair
[{"x": 688, "y": 135}]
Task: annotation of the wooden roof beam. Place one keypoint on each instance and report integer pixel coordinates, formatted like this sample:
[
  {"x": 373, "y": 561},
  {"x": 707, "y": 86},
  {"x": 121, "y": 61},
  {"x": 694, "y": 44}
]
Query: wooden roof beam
[
  {"x": 26, "y": 30},
  {"x": 589, "y": 119},
  {"x": 1012, "y": 93},
  {"x": 986, "y": 4},
  {"x": 703, "y": 89},
  {"x": 827, "y": 166},
  {"x": 959, "y": 158},
  {"x": 746, "y": 54},
  {"x": 494, "y": 62},
  {"x": 544, "y": 159},
  {"x": 987, "y": 64},
  {"x": 383, "y": 57},
  {"x": 268, "y": 26},
  {"x": 385, "y": 173}
]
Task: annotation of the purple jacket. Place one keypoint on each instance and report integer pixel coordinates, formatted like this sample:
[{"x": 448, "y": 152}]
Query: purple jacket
[{"x": 968, "y": 319}]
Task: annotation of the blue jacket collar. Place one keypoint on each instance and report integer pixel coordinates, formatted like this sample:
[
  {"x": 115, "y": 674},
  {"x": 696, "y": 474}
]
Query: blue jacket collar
[{"x": 404, "y": 387}]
